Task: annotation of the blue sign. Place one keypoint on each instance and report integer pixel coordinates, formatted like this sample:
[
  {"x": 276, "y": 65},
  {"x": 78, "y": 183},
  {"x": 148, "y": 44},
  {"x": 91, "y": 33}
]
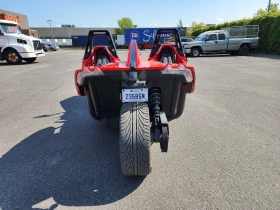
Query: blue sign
[{"x": 145, "y": 35}]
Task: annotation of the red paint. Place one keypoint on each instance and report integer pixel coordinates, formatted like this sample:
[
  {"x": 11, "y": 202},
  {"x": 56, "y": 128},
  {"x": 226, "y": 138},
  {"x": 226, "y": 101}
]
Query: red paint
[{"x": 152, "y": 64}]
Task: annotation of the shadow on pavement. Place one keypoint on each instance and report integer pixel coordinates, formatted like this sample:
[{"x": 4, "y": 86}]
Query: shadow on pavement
[
  {"x": 76, "y": 166},
  {"x": 210, "y": 56},
  {"x": 275, "y": 57}
]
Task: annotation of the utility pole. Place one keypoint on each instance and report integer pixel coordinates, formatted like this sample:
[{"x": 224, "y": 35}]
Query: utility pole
[
  {"x": 268, "y": 9},
  {"x": 50, "y": 21}
]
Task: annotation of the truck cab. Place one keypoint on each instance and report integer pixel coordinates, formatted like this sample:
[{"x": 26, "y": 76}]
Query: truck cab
[
  {"x": 15, "y": 46},
  {"x": 211, "y": 41}
]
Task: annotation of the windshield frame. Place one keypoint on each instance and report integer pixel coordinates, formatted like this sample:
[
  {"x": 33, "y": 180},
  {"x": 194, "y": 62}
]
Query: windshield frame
[
  {"x": 10, "y": 24},
  {"x": 201, "y": 37}
]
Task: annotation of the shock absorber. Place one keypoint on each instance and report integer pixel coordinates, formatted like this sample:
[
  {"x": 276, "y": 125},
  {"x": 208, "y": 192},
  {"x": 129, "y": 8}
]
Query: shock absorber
[
  {"x": 155, "y": 102},
  {"x": 155, "y": 106}
]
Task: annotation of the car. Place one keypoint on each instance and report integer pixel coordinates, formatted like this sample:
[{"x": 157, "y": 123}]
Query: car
[
  {"x": 184, "y": 41},
  {"x": 53, "y": 47},
  {"x": 45, "y": 47},
  {"x": 143, "y": 95}
]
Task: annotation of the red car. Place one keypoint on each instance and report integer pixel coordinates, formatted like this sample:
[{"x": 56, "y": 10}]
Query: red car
[{"x": 145, "y": 95}]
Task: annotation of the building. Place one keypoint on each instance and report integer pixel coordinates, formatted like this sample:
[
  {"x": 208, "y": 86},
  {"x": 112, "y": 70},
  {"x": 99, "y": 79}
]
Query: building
[{"x": 65, "y": 32}]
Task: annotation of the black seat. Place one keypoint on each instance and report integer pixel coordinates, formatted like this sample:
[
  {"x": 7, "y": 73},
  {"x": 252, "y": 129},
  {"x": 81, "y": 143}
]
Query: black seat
[
  {"x": 167, "y": 55},
  {"x": 101, "y": 57}
]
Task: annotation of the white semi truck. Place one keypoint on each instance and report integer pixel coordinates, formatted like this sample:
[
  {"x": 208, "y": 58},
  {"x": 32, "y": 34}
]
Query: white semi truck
[{"x": 15, "y": 46}]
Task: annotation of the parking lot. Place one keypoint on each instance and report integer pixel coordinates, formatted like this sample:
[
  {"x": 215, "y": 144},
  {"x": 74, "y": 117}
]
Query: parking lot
[{"x": 224, "y": 150}]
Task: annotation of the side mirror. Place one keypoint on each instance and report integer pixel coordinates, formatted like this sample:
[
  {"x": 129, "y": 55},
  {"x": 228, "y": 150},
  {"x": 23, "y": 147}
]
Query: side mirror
[
  {"x": 1, "y": 33},
  {"x": 207, "y": 40}
]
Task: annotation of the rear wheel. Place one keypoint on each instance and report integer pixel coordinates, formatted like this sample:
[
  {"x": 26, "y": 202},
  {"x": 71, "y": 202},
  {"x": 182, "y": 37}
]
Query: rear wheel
[
  {"x": 135, "y": 140},
  {"x": 244, "y": 50},
  {"x": 12, "y": 57},
  {"x": 142, "y": 47}
]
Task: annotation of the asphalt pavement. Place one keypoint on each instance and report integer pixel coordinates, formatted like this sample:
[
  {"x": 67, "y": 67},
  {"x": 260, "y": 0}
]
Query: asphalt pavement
[{"x": 224, "y": 151}]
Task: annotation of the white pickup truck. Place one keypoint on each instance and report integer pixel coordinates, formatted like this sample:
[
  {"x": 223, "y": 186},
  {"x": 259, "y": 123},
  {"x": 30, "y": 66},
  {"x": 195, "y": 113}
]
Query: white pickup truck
[
  {"x": 15, "y": 46},
  {"x": 234, "y": 40}
]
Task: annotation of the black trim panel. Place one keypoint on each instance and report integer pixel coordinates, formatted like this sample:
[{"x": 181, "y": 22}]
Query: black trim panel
[{"x": 105, "y": 91}]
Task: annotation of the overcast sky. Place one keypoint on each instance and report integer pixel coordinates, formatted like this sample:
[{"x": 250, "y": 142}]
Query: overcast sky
[{"x": 144, "y": 13}]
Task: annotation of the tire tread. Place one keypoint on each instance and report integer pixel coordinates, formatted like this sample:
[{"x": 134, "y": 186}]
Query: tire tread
[{"x": 135, "y": 141}]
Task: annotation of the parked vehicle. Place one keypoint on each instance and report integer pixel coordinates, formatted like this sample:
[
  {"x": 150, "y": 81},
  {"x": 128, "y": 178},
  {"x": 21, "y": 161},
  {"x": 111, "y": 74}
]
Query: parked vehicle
[
  {"x": 144, "y": 36},
  {"x": 119, "y": 41},
  {"x": 45, "y": 47},
  {"x": 81, "y": 41},
  {"x": 15, "y": 46},
  {"x": 53, "y": 47},
  {"x": 236, "y": 40},
  {"x": 144, "y": 95},
  {"x": 184, "y": 41}
]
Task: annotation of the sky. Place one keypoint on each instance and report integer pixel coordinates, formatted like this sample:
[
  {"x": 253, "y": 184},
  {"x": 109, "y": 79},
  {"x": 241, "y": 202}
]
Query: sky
[{"x": 144, "y": 13}]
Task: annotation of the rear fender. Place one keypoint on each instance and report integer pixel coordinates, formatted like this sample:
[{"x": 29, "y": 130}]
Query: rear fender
[{"x": 81, "y": 90}]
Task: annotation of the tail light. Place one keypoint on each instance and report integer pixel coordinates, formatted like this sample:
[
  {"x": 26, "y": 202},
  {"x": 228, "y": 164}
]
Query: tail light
[{"x": 180, "y": 70}]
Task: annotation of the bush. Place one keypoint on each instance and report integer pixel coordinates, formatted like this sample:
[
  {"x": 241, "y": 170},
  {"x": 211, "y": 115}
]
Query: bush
[{"x": 269, "y": 25}]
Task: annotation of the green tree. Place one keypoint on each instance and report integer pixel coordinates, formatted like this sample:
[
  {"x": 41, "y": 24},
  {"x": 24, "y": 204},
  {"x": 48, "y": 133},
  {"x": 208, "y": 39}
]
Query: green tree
[
  {"x": 195, "y": 26},
  {"x": 180, "y": 24},
  {"x": 273, "y": 9},
  {"x": 124, "y": 23},
  {"x": 73, "y": 26}
]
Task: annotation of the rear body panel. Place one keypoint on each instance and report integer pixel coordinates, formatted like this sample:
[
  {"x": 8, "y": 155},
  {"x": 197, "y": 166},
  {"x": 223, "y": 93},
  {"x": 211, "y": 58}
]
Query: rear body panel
[{"x": 104, "y": 82}]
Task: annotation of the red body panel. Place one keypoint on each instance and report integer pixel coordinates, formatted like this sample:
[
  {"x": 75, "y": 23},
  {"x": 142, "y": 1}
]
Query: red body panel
[{"x": 117, "y": 65}]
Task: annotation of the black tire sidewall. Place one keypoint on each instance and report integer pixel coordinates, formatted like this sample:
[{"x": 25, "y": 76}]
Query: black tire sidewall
[
  {"x": 194, "y": 49},
  {"x": 244, "y": 50}
]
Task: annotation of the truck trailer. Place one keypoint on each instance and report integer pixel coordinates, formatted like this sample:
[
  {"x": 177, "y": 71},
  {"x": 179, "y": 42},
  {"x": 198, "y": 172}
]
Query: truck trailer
[
  {"x": 144, "y": 36},
  {"x": 81, "y": 41}
]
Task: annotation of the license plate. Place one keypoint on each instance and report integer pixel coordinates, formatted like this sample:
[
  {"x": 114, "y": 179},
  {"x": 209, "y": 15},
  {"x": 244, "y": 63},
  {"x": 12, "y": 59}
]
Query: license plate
[{"x": 135, "y": 95}]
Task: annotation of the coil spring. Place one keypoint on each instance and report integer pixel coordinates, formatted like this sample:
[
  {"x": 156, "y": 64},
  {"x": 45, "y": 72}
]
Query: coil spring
[{"x": 155, "y": 101}]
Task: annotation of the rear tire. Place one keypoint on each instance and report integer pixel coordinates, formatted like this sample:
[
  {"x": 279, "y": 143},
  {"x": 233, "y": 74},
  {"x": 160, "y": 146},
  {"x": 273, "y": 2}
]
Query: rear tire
[
  {"x": 244, "y": 50},
  {"x": 12, "y": 57},
  {"x": 135, "y": 140}
]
